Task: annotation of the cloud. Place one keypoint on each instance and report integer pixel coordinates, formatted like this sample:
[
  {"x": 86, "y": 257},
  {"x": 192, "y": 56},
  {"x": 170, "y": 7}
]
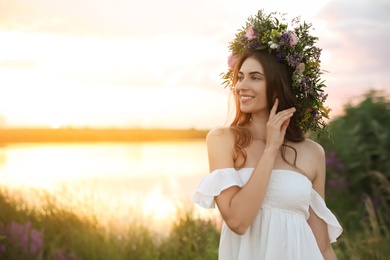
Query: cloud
[
  {"x": 131, "y": 18},
  {"x": 357, "y": 38},
  {"x": 340, "y": 10},
  {"x": 175, "y": 45},
  {"x": 110, "y": 18}
]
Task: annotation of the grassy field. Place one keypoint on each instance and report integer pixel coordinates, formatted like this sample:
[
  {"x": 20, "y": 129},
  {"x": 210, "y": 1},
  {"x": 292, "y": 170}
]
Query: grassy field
[{"x": 51, "y": 231}]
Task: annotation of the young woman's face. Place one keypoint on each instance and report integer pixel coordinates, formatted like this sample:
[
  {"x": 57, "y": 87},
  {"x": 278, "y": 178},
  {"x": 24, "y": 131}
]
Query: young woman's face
[{"x": 251, "y": 87}]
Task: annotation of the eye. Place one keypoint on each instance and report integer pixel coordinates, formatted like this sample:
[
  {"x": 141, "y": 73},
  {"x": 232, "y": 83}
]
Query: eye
[
  {"x": 256, "y": 78},
  {"x": 240, "y": 78}
]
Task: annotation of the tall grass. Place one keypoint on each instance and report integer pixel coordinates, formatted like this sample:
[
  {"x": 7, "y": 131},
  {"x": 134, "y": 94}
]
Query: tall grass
[
  {"x": 370, "y": 239},
  {"x": 54, "y": 231}
]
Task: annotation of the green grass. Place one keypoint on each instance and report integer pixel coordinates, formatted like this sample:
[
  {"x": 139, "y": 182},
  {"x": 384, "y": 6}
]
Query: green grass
[
  {"x": 67, "y": 234},
  {"x": 366, "y": 228}
]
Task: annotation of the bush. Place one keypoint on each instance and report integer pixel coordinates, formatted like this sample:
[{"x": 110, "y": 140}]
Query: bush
[{"x": 358, "y": 174}]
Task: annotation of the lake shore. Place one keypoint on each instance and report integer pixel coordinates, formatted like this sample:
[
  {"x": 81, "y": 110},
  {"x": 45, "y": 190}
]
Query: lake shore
[{"x": 47, "y": 135}]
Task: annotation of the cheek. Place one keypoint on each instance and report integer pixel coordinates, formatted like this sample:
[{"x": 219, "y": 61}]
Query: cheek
[{"x": 267, "y": 101}]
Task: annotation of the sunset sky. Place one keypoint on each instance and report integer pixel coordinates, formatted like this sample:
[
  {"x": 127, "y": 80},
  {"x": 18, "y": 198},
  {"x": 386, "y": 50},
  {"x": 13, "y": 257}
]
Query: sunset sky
[{"x": 126, "y": 63}]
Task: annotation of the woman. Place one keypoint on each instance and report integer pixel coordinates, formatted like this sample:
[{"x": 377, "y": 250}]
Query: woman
[{"x": 267, "y": 179}]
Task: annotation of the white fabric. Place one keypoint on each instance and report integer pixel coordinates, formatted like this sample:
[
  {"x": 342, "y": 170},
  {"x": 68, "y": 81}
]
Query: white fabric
[{"x": 280, "y": 229}]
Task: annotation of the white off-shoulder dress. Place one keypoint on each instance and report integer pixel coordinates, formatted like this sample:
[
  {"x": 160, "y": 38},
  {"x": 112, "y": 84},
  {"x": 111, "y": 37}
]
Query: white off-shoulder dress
[{"x": 280, "y": 229}]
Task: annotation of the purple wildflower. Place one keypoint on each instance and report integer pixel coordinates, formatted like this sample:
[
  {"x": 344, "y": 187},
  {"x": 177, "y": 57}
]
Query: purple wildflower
[
  {"x": 254, "y": 45},
  {"x": 36, "y": 242},
  {"x": 28, "y": 240},
  {"x": 294, "y": 59},
  {"x": 323, "y": 97},
  {"x": 336, "y": 179},
  {"x": 59, "y": 255},
  {"x": 337, "y": 183},
  {"x": 284, "y": 40},
  {"x": 280, "y": 56},
  {"x": 333, "y": 162}
]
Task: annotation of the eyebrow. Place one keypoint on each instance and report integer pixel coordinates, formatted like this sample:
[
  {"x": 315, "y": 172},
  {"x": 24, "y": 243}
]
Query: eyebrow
[{"x": 252, "y": 73}]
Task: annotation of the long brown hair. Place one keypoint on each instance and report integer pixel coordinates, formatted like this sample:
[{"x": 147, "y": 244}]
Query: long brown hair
[{"x": 278, "y": 81}]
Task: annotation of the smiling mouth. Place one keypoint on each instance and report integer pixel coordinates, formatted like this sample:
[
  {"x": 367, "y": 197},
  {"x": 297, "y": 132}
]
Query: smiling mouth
[{"x": 246, "y": 98}]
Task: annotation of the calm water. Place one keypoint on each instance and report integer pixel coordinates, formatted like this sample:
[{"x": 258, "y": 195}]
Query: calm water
[{"x": 117, "y": 180}]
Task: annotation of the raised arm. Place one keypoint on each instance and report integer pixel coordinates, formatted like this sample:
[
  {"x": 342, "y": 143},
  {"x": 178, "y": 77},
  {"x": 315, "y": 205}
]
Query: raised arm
[{"x": 239, "y": 206}]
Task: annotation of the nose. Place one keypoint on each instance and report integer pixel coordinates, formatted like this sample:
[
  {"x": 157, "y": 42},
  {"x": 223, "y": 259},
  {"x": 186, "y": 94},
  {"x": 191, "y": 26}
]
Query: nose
[{"x": 241, "y": 85}]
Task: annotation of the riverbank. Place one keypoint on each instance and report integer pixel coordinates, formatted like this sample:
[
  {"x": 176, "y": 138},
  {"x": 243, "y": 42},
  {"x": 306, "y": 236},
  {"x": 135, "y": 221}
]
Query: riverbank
[{"x": 37, "y": 135}]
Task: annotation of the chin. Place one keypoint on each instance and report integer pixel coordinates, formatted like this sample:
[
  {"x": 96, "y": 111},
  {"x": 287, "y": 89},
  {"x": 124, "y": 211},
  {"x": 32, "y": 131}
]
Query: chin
[
  {"x": 246, "y": 110},
  {"x": 251, "y": 110}
]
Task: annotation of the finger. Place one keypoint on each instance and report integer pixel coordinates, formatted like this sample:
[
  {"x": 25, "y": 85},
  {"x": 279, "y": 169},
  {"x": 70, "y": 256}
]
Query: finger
[
  {"x": 284, "y": 127},
  {"x": 274, "y": 108},
  {"x": 283, "y": 114},
  {"x": 280, "y": 118}
]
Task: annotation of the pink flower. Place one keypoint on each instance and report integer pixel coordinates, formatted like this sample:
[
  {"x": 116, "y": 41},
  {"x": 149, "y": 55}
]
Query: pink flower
[
  {"x": 250, "y": 34},
  {"x": 232, "y": 61},
  {"x": 293, "y": 38}
]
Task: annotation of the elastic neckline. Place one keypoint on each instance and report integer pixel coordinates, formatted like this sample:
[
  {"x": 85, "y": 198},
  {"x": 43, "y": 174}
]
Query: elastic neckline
[{"x": 279, "y": 170}]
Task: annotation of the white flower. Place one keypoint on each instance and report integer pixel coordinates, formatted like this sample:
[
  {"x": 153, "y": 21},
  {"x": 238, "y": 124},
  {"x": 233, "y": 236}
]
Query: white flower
[{"x": 273, "y": 45}]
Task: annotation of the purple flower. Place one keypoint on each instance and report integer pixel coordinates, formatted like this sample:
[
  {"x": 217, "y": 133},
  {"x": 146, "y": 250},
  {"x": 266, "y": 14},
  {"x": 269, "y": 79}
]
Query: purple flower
[
  {"x": 294, "y": 59},
  {"x": 313, "y": 113},
  {"x": 36, "y": 242},
  {"x": 288, "y": 39},
  {"x": 337, "y": 183},
  {"x": 254, "y": 45},
  {"x": 333, "y": 162},
  {"x": 280, "y": 56},
  {"x": 336, "y": 179},
  {"x": 28, "y": 240},
  {"x": 59, "y": 255},
  {"x": 284, "y": 40}
]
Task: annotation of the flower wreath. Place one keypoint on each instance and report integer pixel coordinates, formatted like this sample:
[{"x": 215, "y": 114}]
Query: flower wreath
[{"x": 294, "y": 48}]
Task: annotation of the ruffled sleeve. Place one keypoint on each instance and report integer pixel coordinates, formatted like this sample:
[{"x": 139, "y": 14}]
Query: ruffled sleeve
[
  {"x": 213, "y": 184},
  {"x": 319, "y": 207}
]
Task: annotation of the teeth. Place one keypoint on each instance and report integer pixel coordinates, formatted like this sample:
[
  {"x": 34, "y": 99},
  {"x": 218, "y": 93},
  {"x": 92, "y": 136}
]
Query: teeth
[{"x": 246, "y": 97}]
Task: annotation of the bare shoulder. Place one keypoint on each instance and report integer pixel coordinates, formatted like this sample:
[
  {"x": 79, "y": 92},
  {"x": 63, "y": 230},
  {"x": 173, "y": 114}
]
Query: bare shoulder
[
  {"x": 220, "y": 147},
  {"x": 220, "y": 134},
  {"x": 311, "y": 159},
  {"x": 317, "y": 155},
  {"x": 314, "y": 148}
]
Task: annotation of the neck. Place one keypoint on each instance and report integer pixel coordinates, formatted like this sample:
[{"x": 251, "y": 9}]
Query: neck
[{"x": 258, "y": 126}]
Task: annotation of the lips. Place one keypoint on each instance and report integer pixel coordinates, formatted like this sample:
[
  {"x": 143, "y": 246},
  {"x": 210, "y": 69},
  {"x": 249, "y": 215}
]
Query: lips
[{"x": 244, "y": 98}]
